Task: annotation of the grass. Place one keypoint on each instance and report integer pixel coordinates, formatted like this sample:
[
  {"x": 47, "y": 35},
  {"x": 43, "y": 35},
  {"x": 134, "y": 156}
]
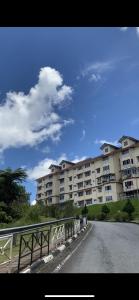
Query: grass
[{"x": 94, "y": 210}]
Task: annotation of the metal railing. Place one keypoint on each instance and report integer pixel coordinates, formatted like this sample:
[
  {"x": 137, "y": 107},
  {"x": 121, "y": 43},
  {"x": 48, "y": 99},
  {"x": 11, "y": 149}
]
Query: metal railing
[{"x": 24, "y": 245}]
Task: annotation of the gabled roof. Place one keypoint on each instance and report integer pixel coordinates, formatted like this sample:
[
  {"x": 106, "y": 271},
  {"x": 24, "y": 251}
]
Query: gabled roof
[
  {"x": 107, "y": 144},
  {"x": 127, "y": 137},
  {"x": 66, "y": 161},
  {"x": 54, "y": 166}
]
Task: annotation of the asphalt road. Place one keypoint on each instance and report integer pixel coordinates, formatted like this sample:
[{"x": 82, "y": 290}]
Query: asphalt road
[{"x": 108, "y": 248}]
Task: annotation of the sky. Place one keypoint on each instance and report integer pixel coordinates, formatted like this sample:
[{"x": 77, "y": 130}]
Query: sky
[{"x": 64, "y": 92}]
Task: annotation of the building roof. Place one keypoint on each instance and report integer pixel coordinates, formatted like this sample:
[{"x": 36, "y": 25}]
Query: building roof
[
  {"x": 108, "y": 144},
  {"x": 127, "y": 137},
  {"x": 66, "y": 161},
  {"x": 55, "y": 166}
]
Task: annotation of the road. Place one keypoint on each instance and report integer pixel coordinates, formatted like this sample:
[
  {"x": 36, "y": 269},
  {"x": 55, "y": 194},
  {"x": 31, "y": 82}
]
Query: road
[{"x": 108, "y": 248}]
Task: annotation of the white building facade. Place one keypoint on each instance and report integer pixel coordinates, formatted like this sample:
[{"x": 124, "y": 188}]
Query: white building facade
[{"x": 112, "y": 176}]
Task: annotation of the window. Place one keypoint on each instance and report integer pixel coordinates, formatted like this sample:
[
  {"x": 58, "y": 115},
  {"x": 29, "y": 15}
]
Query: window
[
  {"x": 39, "y": 188},
  {"x": 70, "y": 187},
  {"x": 80, "y": 168},
  {"x": 106, "y": 168},
  {"x": 80, "y": 185},
  {"x": 63, "y": 166},
  {"x": 108, "y": 188},
  {"x": 106, "y": 150},
  {"x": 99, "y": 180},
  {"x": 61, "y": 197},
  {"x": 62, "y": 173},
  {"x": 62, "y": 189},
  {"x": 39, "y": 195},
  {"x": 50, "y": 176},
  {"x": 125, "y": 143},
  {"x": 87, "y": 165},
  {"x": 100, "y": 199},
  {"x": 81, "y": 203},
  {"x": 70, "y": 196},
  {"x": 80, "y": 175},
  {"x": 61, "y": 180},
  {"x": 99, "y": 188},
  {"x": 49, "y": 184},
  {"x": 70, "y": 178},
  {"x": 128, "y": 184},
  {"x": 49, "y": 192},
  {"x": 53, "y": 170},
  {"x": 87, "y": 182},
  {"x": 127, "y": 161},
  {"x": 98, "y": 170},
  {"x": 89, "y": 201},
  {"x": 49, "y": 200},
  {"x": 108, "y": 198},
  {"x": 137, "y": 158},
  {"x": 89, "y": 192},
  {"x": 80, "y": 194},
  {"x": 87, "y": 173}
]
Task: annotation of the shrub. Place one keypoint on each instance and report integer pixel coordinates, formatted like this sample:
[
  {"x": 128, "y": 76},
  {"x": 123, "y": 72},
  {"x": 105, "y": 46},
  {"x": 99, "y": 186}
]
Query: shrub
[
  {"x": 129, "y": 208},
  {"x": 101, "y": 216},
  {"x": 85, "y": 210},
  {"x": 4, "y": 218},
  {"x": 121, "y": 216},
  {"x": 105, "y": 209}
]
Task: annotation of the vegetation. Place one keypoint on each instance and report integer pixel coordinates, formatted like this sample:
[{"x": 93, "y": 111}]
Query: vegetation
[
  {"x": 85, "y": 211},
  {"x": 117, "y": 211},
  {"x": 129, "y": 209}
]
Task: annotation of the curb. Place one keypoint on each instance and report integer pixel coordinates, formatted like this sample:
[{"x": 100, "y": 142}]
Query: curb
[{"x": 46, "y": 259}]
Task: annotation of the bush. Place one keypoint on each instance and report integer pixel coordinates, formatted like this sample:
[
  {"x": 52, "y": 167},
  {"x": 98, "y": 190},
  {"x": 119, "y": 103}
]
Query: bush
[
  {"x": 105, "y": 209},
  {"x": 129, "y": 208},
  {"x": 101, "y": 216},
  {"x": 121, "y": 216},
  {"x": 4, "y": 218}
]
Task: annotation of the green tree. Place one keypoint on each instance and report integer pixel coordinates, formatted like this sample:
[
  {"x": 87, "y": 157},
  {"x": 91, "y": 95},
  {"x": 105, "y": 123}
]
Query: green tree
[
  {"x": 129, "y": 208},
  {"x": 10, "y": 185},
  {"x": 85, "y": 210},
  {"x": 105, "y": 209}
]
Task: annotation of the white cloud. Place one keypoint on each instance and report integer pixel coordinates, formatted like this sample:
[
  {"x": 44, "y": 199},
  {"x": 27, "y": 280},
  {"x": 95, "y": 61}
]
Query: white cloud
[
  {"x": 94, "y": 71},
  {"x": 123, "y": 28},
  {"x": 46, "y": 150},
  {"x": 77, "y": 159},
  {"x": 83, "y": 135},
  {"x": 95, "y": 77},
  {"x": 42, "y": 168},
  {"x": 115, "y": 143},
  {"x": 33, "y": 202},
  {"x": 29, "y": 119},
  {"x": 137, "y": 30}
]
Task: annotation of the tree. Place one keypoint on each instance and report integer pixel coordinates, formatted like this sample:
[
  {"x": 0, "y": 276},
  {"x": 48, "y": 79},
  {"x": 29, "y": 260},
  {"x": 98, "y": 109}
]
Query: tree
[
  {"x": 129, "y": 208},
  {"x": 85, "y": 210},
  {"x": 105, "y": 209},
  {"x": 10, "y": 185}
]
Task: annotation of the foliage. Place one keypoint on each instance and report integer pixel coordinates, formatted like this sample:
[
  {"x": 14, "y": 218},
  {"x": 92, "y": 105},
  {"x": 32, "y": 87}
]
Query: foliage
[
  {"x": 129, "y": 208},
  {"x": 85, "y": 210},
  {"x": 105, "y": 209},
  {"x": 10, "y": 185},
  {"x": 121, "y": 216},
  {"x": 101, "y": 216}
]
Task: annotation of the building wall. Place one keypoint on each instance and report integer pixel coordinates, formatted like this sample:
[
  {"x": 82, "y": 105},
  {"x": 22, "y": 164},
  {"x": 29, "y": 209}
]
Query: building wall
[{"x": 105, "y": 173}]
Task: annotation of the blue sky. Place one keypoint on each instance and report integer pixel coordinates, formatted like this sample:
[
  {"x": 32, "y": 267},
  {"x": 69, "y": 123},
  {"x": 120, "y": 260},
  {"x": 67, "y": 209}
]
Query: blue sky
[{"x": 63, "y": 92}]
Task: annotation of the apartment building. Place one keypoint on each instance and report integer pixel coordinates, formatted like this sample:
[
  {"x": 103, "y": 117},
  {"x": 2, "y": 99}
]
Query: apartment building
[{"x": 111, "y": 176}]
